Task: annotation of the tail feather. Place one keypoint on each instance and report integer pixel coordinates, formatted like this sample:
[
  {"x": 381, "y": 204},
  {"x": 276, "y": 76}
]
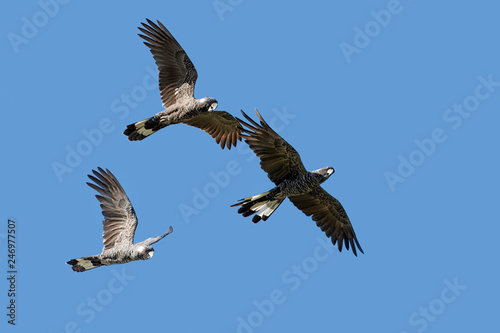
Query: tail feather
[
  {"x": 142, "y": 129},
  {"x": 85, "y": 263},
  {"x": 262, "y": 205}
]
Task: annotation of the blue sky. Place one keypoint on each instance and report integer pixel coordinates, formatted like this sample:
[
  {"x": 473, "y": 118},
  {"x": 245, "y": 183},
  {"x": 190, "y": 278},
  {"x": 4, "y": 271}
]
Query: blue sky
[{"x": 400, "y": 97}]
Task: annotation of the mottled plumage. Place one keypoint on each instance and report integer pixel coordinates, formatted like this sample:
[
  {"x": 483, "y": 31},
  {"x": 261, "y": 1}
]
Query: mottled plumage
[
  {"x": 284, "y": 167},
  {"x": 177, "y": 79},
  {"x": 119, "y": 227}
]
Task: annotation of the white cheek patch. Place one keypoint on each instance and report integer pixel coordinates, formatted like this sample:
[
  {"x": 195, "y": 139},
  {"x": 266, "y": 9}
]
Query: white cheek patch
[{"x": 151, "y": 254}]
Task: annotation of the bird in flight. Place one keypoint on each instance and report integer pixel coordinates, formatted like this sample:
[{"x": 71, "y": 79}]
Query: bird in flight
[
  {"x": 285, "y": 169},
  {"x": 177, "y": 79},
  {"x": 119, "y": 227}
]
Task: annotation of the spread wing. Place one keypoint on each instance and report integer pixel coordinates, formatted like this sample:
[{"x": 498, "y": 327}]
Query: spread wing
[
  {"x": 221, "y": 125},
  {"x": 280, "y": 160},
  {"x": 177, "y": 73},
  {"x": 120, "y": 220},
  {"x": 329, "y": 215}
]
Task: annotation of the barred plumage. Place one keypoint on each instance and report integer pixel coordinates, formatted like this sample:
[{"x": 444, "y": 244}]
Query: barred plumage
[
  {"x": 177, "y": 79},
  {"x": 120, "y": 222},
  {"x": 284, "y": 167}
]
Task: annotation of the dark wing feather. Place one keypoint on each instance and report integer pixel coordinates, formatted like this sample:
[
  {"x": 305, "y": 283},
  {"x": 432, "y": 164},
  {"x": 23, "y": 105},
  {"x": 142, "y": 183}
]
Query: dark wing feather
[
  {"x": 329, "y": 215},
  {"x": 120, "y": 220},
  {"x": 221, "y": 125},
  {"x": 278, "y": 158},
  {"x": 177, "y": 73}
]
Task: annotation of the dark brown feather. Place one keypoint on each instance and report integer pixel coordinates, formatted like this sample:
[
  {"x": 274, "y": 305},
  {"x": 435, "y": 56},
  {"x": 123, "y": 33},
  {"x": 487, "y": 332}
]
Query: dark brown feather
[
  {"x": 277, "y": 158},
  {"x": 221, "y": 125},
  {"x": 329, "y": 215},
  {"x": 177, "y": 73},
  {"x": 120, "y": 220}
]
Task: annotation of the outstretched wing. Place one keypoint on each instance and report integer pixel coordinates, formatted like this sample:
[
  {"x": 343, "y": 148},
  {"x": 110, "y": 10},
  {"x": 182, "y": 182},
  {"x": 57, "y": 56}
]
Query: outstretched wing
[
  {"x": 152, "y": 240},
  {"x": 221, "y": 125},
  {"x": 177, "y": 73},
  {"x": 329, "y": 215},
  {"x": 120, "y": 220},
  {"x": 278, "y": 158}
]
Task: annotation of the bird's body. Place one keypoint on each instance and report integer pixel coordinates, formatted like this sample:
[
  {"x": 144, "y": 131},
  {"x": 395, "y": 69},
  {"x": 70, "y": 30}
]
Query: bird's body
[
  {"x": 119, "y": 227},
  {"x": 300, "y": 184},
  {"x": 284, "y": 167},
  {"x": 266, "y": 203},
  {"x": 173, "y": 114},
  {"x": 177, "y": 79},
  {"x": 116, "y": 256}
]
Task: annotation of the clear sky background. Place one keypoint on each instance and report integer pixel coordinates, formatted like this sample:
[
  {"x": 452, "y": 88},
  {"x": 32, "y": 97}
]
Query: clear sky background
[{"x": 401, "y": 98}]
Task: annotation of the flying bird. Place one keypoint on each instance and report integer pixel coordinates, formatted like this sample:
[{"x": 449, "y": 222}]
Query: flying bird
[
  {"x": 285, "y": 169},
  {"x": 119, "y": 227},
  {"x": 177, "y": 79}
]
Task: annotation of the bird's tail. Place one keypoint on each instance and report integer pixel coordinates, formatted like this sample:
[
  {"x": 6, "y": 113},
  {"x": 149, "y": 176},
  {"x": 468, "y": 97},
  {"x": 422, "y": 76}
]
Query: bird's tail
[
  {"x": 85, "y": 263},
  {"x": 144, "y": 128},
  {"x": 263, "y": 205}
]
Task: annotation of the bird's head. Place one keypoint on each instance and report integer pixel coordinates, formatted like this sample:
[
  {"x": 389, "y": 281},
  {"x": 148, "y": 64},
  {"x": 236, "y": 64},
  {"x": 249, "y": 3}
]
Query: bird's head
[
  {"x": 145, "y": 252},
  {"x": 209, "y": 103},
  {"x": 323, "y": 173}
]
